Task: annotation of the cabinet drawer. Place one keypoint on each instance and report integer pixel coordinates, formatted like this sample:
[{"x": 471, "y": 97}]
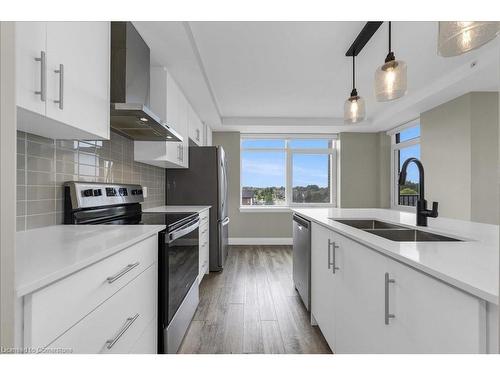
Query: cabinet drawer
[
  {"x": 116, "y": 325},
  {"x": 147, "y": 343},
  {"x": 52, "y": 310}
]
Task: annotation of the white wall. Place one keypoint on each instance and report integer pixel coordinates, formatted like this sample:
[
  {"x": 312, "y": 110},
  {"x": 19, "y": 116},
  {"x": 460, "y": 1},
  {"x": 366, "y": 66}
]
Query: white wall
[
  {"x": 459, "y": 150},
  {"x": 365, "y": 160}
]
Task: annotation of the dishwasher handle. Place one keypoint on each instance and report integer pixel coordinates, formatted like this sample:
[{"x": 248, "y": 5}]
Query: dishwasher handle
[{"x": 301, "y": 221}]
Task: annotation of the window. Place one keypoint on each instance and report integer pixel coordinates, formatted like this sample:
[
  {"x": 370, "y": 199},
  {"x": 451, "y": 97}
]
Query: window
[
  {"x": 285, "y": 171},
  {"x": 405, "y": 144}
]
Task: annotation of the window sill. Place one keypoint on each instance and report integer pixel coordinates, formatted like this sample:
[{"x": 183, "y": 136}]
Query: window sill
[{"x": 280, "y": 208}]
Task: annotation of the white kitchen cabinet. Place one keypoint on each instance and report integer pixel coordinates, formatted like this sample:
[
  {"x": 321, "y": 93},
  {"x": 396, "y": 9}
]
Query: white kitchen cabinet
[
  {"x": 208, "y": 135},
  {"x": 64, "y": 79},
  {"x": 169, "y": 103},
  {"x": 323, "y": 283},
  {"x": 31, "y": 58},
  {"x": 83, "y": 311},
  {"x": 430, "y": 316},
  {"x": 374, "y": 304},
  {"x": 204, "y": 238},
  {"x": 116, "y": 326},
  {"x": 196, "y": 128},
  {"x": 359, "y": 298}
]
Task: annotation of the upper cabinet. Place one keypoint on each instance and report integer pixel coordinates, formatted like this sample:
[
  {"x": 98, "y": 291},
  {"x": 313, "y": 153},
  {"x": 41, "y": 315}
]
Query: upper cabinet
[
  {"x": 169, "y": 103},
  {"x": 208, "y": 135},
  {"x": 63, "y": 79},
  {"x": 196, "y": 127}
]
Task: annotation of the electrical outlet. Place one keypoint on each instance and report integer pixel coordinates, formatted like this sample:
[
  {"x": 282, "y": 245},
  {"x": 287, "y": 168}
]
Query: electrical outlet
[{"x": 145, "y": 191}]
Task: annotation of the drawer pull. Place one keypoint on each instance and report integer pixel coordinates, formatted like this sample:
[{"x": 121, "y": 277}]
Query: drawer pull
[
  {"x": 111, "y": 342},
  {"x": 388, "y": 315},
  {"x": 116, "y": 276},
  {"x": 43, "y": 76}
]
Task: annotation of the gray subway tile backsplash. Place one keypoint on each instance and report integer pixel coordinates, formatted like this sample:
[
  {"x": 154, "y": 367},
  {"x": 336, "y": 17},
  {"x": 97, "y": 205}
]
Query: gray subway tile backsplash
[{"x": 44, "y": 164}]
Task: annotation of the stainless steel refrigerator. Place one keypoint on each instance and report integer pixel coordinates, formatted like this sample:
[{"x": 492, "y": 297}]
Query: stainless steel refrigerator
[{"x": 204, "y": 183}]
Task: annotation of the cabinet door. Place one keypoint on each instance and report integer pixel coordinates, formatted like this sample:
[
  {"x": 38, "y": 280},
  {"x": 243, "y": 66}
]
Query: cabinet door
[
  {"x": 359, "y": 298},
  {"x": 322, "y": 283},
  {"x": 175, "y": 119},
  {"x": 208, "y": 135},
  {"x": 30, "y": 46},
  {"x": 432, "y": 317},
  {"x": 78, "y": 95},
  {"x": 195, "y": 127}
]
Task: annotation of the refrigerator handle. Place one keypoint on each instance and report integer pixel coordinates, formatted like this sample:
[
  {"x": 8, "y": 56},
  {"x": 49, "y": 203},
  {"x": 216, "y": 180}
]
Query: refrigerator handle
[{"x": 225, "y": 221}]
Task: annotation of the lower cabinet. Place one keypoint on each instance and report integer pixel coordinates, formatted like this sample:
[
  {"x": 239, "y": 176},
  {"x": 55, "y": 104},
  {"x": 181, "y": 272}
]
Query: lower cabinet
[
  {"x": 373, "y": 304},
  {"x": 108, "y": 307},
  {"x": 204, "y": 244}
]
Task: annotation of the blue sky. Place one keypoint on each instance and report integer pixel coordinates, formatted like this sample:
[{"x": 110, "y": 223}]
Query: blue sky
[{"x": 263, "y": 169}]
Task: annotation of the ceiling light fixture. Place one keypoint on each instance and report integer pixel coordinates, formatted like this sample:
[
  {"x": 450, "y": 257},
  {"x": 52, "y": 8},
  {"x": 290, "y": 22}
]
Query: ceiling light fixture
[
  {"x": 354, "y": 107},
  {"x": 458, "y": 37},
  {"x": 390, "y": 78},
  {"x": 143, "y": 119}
]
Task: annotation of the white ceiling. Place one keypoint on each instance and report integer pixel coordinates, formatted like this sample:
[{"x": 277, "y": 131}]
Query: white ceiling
[{"x": 294, "y": 76}]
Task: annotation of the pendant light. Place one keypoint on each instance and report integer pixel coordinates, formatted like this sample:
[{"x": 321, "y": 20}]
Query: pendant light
[
  {"x": 354, "y": 107},
  {"x": 390, "y": 78},
  {"x": 458, "y": 37}
]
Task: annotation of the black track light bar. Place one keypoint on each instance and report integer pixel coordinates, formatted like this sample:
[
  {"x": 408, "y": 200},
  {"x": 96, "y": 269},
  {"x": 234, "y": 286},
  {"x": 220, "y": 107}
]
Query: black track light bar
[{"x": 363, "y": 37}]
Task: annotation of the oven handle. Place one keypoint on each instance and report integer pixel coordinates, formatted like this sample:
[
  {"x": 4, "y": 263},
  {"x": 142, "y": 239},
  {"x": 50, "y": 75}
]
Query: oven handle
[{"x": 182, "y": 231}]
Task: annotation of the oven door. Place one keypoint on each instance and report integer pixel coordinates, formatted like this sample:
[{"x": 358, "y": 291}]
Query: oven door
[{"x": 183, "y": 254}]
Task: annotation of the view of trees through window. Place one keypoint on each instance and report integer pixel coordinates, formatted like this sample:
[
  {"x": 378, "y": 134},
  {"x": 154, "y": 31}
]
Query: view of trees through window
[
  {"x": 266, "y": 164},
  {"x": 408, "y": 193}
]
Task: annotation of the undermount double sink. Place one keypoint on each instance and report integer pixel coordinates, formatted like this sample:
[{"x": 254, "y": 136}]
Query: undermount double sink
[{"x": 395, "y": 232}]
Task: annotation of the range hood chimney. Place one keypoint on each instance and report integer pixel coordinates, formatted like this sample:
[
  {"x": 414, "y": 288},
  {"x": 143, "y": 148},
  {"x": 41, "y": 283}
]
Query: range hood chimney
[{"x": 130, "y": 65}]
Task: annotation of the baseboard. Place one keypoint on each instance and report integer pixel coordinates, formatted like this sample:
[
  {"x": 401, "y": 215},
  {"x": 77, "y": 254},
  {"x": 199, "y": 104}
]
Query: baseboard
[{"x": 260, "y": 241}]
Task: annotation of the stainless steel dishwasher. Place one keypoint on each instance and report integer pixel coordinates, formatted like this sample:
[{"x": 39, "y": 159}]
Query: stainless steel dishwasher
[{"x": 302, "y": 258}]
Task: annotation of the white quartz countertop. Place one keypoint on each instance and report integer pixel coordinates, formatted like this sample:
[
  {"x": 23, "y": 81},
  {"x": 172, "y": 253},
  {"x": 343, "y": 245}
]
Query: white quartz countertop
[
  {"x": 171, "y": 209},
  {"x": 471, "y": 265},
  {"x": 48, "y": 254}
]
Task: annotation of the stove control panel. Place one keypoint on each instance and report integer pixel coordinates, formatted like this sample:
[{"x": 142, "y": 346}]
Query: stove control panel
[{"x": 90, "y": 194}]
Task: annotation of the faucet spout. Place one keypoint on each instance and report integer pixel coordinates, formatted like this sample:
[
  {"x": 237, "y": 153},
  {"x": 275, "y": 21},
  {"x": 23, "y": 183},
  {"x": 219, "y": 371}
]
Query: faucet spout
[{"x": 422, "y": 212}]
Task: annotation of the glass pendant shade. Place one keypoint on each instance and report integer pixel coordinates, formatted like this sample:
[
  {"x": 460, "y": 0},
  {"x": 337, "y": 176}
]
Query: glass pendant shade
[
  {"x": 458, "y": 37},
  {"x": 354, "y": 110},
  {"x": 390, "y": 80}
]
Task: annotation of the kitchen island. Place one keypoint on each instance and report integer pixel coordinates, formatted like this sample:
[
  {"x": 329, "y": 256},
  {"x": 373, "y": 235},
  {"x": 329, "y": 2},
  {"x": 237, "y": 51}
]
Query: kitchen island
[{"x": 372, "y": 294}]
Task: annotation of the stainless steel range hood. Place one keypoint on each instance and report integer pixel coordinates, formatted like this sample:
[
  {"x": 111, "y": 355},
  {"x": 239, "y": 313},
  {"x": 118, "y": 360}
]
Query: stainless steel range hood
[{"x": 130, "y": 65}]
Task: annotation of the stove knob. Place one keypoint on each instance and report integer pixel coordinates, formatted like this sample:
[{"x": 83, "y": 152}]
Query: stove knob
[
  {"x": 97, "y": 192},
  {"x": 88, "y": 192}
]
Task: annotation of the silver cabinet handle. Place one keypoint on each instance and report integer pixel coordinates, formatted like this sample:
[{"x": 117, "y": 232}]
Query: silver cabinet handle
[
  {"x": 119, "y": 274},
  {"x": 111, "y": 342},
  {"x": 60, "y": 71},
  {"x": 43, "y": 76},
  {"x": 331, "y": 258},
  {"x": 387, "y": 281},
  {"x": 181, "y": 147}
]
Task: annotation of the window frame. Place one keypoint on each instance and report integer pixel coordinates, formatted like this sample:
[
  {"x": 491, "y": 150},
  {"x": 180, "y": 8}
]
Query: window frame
[
  {"x": 395, "y": 147},
  {"x": 289, "y": 152}
]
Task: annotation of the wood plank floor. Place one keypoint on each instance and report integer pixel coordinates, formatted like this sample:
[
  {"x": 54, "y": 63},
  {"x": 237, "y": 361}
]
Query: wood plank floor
[{"x": 252, "y": 307}]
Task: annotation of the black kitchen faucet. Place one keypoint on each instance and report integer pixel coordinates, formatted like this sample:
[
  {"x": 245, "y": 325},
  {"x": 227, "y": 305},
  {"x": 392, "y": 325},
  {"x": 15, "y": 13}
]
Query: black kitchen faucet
[{"x": 422, "y": 212}]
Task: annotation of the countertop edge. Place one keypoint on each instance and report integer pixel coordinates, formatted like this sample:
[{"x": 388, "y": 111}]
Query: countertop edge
[
  {"x": 29, "y": 288},
  {"x": 479, "y": 293}
]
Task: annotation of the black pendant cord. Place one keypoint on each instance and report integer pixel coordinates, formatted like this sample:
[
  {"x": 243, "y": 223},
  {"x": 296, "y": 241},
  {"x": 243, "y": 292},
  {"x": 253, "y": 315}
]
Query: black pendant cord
[
  {"x": 390, "y": 55},
  {"x": 353, "y": 73},
  {"x": 354, "y": 91},
  {"x": 390, "y": 36}
]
